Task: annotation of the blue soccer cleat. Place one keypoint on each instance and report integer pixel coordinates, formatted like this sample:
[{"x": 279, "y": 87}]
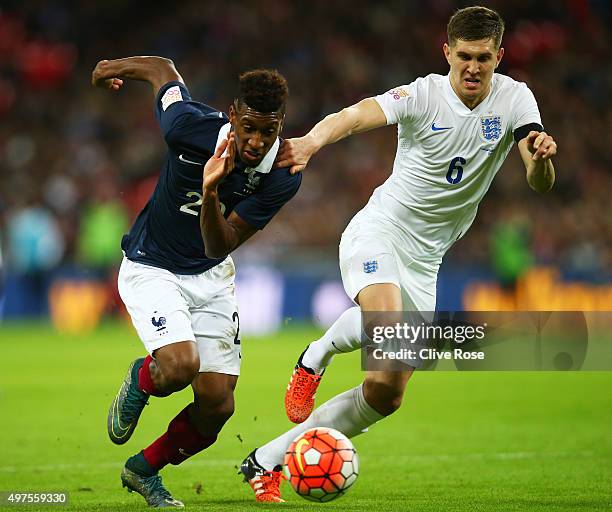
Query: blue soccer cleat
[
  {"x": 127, "y": 406},
  {"x": 150, "y": 488}
]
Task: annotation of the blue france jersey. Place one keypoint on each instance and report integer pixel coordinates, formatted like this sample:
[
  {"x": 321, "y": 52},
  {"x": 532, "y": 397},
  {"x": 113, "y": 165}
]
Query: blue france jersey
[{"x": 166, "y": 233}]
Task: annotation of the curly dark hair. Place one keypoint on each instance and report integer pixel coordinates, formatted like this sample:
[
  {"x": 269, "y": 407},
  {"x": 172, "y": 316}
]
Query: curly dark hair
[
  {"x": 474, "y": 23},
  {"x": 264, "y": 90}
]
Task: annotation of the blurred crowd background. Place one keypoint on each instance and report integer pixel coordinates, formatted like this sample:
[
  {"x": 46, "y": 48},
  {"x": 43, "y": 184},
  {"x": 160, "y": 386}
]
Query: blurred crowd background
[{"x": 78, "y": 163}]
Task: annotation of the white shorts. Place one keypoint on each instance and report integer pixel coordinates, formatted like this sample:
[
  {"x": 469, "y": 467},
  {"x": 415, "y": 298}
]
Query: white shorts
[
  {"x": 370, "y": 255},
  {"x": 168, "y": 308}
]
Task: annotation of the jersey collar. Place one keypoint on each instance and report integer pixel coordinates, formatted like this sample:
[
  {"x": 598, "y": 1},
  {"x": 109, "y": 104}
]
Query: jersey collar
[
  {"x": 458, "y": 105},
  {"x": 265, "y": 166}
]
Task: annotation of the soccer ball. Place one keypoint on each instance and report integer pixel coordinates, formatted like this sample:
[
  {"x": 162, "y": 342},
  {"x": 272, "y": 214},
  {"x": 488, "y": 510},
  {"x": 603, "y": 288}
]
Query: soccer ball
[{"x": 321, "y": 464}]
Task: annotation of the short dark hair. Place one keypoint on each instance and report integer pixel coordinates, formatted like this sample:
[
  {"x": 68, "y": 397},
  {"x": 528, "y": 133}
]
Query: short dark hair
[
  {"x": 263, "y": 90},
  {"x": 474, "y": 23}
]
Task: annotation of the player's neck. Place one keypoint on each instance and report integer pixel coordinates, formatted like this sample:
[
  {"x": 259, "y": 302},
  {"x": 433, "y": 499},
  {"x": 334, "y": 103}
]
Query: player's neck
[{"x": 470, "y": 103}]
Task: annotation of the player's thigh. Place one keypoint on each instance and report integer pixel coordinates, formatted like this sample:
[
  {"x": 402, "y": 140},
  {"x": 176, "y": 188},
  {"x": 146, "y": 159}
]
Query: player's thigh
[
  {"x": 380, "y": 297},
  {"x": 157, "y": 306},
  {"x": 216, "y": 326},
  {"x": 369, "y": 272},
  {"x": 381, "y": 306},
  {"x": 419, "y": 286}
]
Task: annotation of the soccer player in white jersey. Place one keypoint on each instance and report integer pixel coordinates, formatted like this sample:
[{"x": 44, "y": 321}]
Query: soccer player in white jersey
[{"x": 454, "y": 133}]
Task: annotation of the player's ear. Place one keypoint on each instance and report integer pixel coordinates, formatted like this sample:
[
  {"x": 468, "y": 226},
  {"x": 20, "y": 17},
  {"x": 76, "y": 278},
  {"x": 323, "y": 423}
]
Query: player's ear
[
  {"x": 500, "y": 55},
  {"x": 232, "y": 114},
  {"x": 447, "y": 52}
]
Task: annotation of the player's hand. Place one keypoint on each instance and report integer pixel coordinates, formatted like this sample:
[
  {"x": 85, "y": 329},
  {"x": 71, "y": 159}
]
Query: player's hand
[
  {"x": 219, "y": 165},
  {"x": 295, "y": 153},
  {"x": 104, "y": 75},
  {"x": 541, "y": 145}
]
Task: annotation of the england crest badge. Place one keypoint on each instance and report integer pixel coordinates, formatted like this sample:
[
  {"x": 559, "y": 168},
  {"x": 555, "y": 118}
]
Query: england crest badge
[
  {"x": 491, "y": 128},
  {"x": 369, "y": 267}
]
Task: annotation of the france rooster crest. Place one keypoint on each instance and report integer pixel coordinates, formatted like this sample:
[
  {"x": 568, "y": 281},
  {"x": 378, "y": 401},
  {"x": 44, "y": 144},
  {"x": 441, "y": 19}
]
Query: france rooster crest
[
  {"x": 491, "y": 128},
  {"x": 160, "y": 322}
]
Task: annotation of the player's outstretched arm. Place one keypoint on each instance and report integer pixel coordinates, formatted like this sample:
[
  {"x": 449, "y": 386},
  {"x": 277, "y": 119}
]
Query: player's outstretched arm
[
  {"x": 536, "y": 150},
  {"x": 361, "y": 117},
  {"x": 109, "y": 74},
  {"x": 220, "y": 236}
]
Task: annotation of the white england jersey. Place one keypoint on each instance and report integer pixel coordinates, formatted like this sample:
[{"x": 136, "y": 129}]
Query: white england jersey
[{"x": 447, "y": 156}]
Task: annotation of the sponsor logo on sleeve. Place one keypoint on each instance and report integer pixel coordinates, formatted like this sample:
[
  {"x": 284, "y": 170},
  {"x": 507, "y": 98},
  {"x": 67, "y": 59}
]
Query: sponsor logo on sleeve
[
  {"x": 398, "y": 93},
  {"x": 172, "y": 95}
]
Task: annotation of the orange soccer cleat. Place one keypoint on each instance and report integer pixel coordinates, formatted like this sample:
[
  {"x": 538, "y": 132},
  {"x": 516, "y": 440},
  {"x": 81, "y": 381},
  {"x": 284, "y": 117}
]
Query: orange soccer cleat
[
  {"x": 265, "y": 484},
  {"x": 300, "y": 395}
]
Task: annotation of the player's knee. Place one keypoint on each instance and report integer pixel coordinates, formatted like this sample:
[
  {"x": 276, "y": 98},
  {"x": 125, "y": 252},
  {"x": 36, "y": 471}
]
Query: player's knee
[
  {"x": 176, "y": 365},
  {"x": 383, "y": 397},
  {"x": 394, "y": 402},
  {"x": 181, "y": 370}
]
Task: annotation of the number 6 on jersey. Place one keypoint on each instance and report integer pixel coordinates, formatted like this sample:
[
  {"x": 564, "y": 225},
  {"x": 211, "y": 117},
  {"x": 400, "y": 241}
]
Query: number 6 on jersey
[{"x": 456, "y": 164}]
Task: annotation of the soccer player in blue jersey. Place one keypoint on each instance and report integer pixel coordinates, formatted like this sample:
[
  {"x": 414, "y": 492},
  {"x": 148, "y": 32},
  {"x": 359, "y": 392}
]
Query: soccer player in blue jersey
[{"x": 177, "y": 278}]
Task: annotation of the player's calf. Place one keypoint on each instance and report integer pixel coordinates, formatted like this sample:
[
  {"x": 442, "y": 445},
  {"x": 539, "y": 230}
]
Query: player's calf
[
  {"x": 384, "y": 391},
  {"x": 213, "y": 401},
  {"x": 181, "y": 440}
]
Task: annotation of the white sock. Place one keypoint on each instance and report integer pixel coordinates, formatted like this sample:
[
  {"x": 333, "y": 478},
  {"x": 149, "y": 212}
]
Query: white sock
[
  {"x": 347, "y": 412},
  {"x": 343, "y": 336}
]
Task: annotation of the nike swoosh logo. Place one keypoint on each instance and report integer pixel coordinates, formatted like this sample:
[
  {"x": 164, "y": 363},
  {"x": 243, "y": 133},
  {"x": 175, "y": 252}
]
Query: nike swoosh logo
[
  {"x": 187, "y": 161},
  {"x": 440, "y": 128},
  {"x": 122, "y": 431},
  {"x": 336, "y": 347},
  {"x": 298, "y": 452}
]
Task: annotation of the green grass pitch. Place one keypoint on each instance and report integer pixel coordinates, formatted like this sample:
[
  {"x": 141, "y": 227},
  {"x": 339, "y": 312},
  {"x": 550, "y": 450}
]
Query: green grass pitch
[{"x": 461, "y": 442}]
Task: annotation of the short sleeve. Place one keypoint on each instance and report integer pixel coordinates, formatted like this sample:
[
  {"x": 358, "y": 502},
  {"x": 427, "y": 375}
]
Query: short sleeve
[
  {"x": 525, "y": 109},
  {"x": 187, "y": 125},
  {"x": 400, "y": 104},
  {"x": 279, "y": 188}
]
